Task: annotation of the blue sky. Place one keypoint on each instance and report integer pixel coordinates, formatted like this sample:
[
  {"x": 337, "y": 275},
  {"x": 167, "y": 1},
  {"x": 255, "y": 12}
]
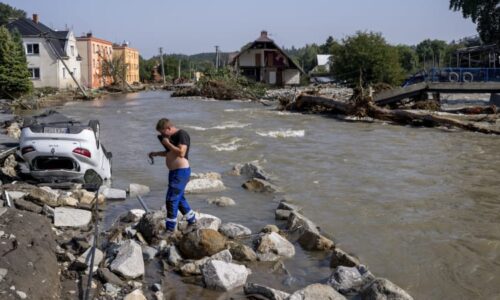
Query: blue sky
[{"x": 193, "y": 26}]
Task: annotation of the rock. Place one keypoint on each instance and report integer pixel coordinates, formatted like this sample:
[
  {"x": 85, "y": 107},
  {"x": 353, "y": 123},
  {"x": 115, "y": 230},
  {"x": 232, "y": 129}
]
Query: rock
[
  {"x": 200, "y": 243},
  {"x": 204, "y": 221},
  {"x": 315, "y": 242},
  {"x": 173, "y": 256},
  {"x": 204, "y": 185},
  {"x": 87, "y": 198},
  {"x": 130, "y": 232},
  {"x": 10, "y": 161},
  {"x": 350, "y": 280},
  {"x": 234, "y": 230},
  {"x": 68, "y": 201},
  {"x": 382, "y": 289},
  {"x": 21, "y": 295},
  {"x": 128, "y": 262},
  {"x": 14, "y": 131},
  {"x": 135, "y": 295},
  {"x": 148, "y": 253},
  {"x": 315, "y": 292},
  {"x": 221, "y": 201},
  {"x": 282, "y": 214},
  {"x": 223, "y": 276},
  {"x": 3, "y": 273},
  {"x": 341, "y": 258},
  {"x": 264, "y": 291},
  {"x": 135, "y": 189},
  {"x": 250, "y": 170},
  {"x": 208, "y": 175},
  {"x": 42, "y": 196},
  {"x": 27, "y": 205},
  {"x": 86, "y": 256},
  {"x": 260, "y": 186},
  {"x": 159, "y": 296},
  {"x": 111, "y": 194},
  {"x": 107, "y": 276},
  {"x": 270, "y": 228},
  {"x": 287, "y": 205},
  {"x": 71, "y": 217},
  {"x": 299, "y": 224},
  {"x": 111, "y": 290},
  {"x": 274, "y": 243},
  {"x": 14, "y": 195},
  {"x": 48, "y": 211},
  {"x": 156, "y": 287},
  {"x": 194, "y": 268},
  {"x": 133, "y": 215},
  {"x": 152, "y": 224},
  {"x": 241, "y": 252}
]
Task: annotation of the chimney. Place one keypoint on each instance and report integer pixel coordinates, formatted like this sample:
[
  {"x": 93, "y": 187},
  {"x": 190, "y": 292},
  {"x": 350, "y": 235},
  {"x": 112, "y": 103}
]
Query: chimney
[
  {"x": 35, "y": 18},
  {"x": 263, "y": 34},
  {"x": 89, "y": 34}
]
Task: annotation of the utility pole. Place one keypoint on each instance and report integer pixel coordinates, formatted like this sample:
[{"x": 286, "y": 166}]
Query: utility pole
[
  {"x": 162, "y": 67},
  {"x": 216, "y": 58},
  {"x": 179, "y": 69}
]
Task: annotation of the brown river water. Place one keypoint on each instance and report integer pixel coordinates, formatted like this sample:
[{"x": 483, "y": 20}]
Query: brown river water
[{"x": 418, "y": 206}]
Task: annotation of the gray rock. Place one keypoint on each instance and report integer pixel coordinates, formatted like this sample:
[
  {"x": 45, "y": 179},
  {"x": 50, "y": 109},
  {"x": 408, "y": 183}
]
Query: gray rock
[
  {"x": 264, "y": 291},
  {"x": 133, "y": 215},
  {"x": 350, "y": 280},
  {"x": 315, "y": 242},
  {"x": 223, "y": 276},
  {"x": 130, "y": 232},
  {"x": 14, "y": 195},
  {"x": 21, "y": 295},
  {"x": 71, "y": 217},
  {"x": 221, "y": 201},
  {"x": 135, "y": 189},
  {"x": 251, "y": 170},
  {"x": 287, "y": 205},
  {"x": 270, "y": 228},
  {"x": 128, "y": 262},
  {"x": 135, "y": 295},
  {"x": 43, "y": 196},
  {"x": 27, "y": 205},
  {"x": 234, "y": 230},
  {"x": 383, "y": 289},
  {"x": 48, "y": 211},
  {"x": 194, "y": 268},
  {"x": 204, "y": 185},
  {"x": 282, "y": 214},
  {"x": 111, "y": 290},
  {"x": 3, "y": 273},
  {"x": 152, "y": 224},
  {"x": 260, "y": 186},
  {"x": 174, "y": 258},
  {"x": 315, "y": 292},
  {"x": 274, "y": 243},
  {"x": 204, "y": 221},
  {"x": 342, "y": 258},
  {"x": 241, "y": 252},
  {"x": 107, "y": 276},
  {"x": 299, "y": 224},
  {"x": 68, "y": 201},
  {"x": 86, "y": 257},
  {"x": 148, "y": 253},
  {"x": 111, "y": 194}
]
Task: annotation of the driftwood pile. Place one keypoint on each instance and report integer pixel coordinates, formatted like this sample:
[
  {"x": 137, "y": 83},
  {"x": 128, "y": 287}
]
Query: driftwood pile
[{"x": 362, "y": 105}]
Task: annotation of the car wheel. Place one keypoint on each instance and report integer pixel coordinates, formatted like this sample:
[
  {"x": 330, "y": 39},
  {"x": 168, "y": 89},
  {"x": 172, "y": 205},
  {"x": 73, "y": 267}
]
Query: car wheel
[{"x": 94, "y": 124}]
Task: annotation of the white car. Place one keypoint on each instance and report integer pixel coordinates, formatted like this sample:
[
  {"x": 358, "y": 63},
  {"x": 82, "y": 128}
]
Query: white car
[{"x": 58, "y": 149}]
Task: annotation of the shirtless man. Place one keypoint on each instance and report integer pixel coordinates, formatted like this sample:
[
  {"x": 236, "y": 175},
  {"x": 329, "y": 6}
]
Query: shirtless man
[{"x": 176, "y": 142}]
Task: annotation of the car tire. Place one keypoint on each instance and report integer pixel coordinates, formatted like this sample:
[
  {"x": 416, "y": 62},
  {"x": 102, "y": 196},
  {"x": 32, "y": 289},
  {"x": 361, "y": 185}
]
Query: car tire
[{"x": 96, "y": 127}]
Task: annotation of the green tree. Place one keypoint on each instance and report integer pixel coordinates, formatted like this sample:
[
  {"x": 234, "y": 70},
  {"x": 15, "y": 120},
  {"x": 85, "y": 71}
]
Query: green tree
[
  {"x": 485, "y": 14},
  {"x": 431, "y": 53},
  {"x": 14, "y": 75},
  {"x": 369, "y": 55},
  {"x": 408, "y": 58},
  {"x": 8, "y": 12},
  {"x": 146, "y": 68},
  {"x": 115, "y": 67}
]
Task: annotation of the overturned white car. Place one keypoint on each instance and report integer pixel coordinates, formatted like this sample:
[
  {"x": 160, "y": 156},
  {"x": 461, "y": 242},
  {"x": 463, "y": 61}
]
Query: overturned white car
[{"x": 59, "y": 149}]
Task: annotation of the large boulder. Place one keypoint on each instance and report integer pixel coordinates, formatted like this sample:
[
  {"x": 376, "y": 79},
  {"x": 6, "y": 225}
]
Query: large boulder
[
  {"x": 298, "y": 224},
  {"x": 274, "y": 244},
  {"x": 152, "y": 224},
  {"x": 260, "y": 186},
  {"x": 71, "y": 217},
  {"x": 315, "y": 242},
  {"x": 342, "y": 258},
  {"x": 315, "y": 292},
  {"x": 250, "y": 170},
  {"x": 350, "y": 280},
  {"x": 133, "y": 215},
  {"x": 203, "y": 221},
  {"x": 241, "y": 252},
  {"x": 111, "y": 194},
  {"x": 204, "y": 185},
  {"x": 43, "y": 196},
  {"x": 221, "y": 201},
  {"x": 383, "y": 289},
  {"x": 194, "y": 267},
  {"x": 286, "y": 204},
  {"x": 129, "y": 262},
  {"x": 264, "y": 291},
  {"x": 200, "y": 243},
  {"x": 234, "y": 230},
  {"x": 135, "y": 189},
  {"x": 223, "y": 276}
]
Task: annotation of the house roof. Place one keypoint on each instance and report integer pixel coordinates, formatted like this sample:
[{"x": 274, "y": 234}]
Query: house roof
[
  {"x": 323, "y": 59},
  {"x": 265, "y": 39},
  {"x": 28, "y": 28}
]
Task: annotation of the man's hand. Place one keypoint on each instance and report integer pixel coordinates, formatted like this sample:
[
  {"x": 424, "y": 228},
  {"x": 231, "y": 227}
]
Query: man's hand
[{"x": 151, "y": 154}]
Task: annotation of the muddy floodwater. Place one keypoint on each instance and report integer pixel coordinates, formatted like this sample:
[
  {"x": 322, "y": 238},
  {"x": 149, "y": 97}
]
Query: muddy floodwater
[{"x": 420, "y": 207}]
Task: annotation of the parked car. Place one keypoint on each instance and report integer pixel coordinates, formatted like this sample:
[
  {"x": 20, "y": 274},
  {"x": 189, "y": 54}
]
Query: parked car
[{"x": 59, "y": 149}]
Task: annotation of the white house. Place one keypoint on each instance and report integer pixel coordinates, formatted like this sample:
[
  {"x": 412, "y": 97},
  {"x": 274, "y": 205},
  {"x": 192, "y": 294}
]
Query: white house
[
  {"x": 51, "y": 55},
  {"x": 263, "y": 61}
]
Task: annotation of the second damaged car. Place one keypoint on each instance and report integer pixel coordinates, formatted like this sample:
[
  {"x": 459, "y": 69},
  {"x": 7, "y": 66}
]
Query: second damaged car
[{"x": 59, "y": 149}]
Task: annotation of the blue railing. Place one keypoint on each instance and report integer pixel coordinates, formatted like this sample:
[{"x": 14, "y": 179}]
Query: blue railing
[{"x": 456, "y": 75}]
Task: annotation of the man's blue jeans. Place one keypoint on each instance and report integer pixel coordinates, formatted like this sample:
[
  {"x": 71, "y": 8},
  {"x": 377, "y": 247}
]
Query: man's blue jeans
[{"x": 175, "y": 200}]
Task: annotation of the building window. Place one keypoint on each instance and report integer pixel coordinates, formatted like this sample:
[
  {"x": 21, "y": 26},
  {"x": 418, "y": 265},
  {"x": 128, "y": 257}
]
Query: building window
[
  {"x": 35, "y": 73},
  {"x": 72, "y": 50},
  {"x": 32, "y": 49}
]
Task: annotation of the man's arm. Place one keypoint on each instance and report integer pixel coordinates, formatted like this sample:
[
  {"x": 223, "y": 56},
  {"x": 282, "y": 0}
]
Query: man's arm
[
  {"x": 161, "y": 153},
  {"x": 179, "y": 151}
]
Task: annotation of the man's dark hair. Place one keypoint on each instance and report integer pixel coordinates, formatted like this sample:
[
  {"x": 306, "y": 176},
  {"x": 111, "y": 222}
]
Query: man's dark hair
[{"x": 162, "y": 123}]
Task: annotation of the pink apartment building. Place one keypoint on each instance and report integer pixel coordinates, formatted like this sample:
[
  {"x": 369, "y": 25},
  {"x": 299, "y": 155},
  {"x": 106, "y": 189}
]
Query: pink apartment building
[{"x": 94, "y": 52}]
